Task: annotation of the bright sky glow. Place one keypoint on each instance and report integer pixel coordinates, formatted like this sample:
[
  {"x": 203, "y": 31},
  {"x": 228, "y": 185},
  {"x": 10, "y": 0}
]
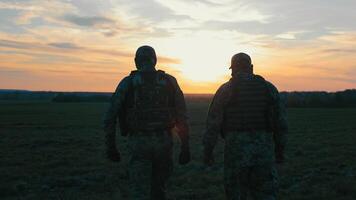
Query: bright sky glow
[{"x": 88, "y": 45}]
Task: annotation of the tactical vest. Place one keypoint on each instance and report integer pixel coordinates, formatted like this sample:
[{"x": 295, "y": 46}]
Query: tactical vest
[
  {"x": 150, "y": 102},
  {"x": 248, "y": 106}
]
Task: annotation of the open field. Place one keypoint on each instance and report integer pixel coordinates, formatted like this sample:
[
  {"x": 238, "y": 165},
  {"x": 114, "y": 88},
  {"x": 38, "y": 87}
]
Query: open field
[{"x": 55, "y": 151}]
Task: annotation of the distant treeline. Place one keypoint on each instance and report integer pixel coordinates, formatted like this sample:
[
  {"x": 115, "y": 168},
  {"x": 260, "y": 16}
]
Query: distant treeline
[
  {"x": 82, "y": 97},
  {"x": 345, "y": 98},
  {"x": 23, "y": 95}
]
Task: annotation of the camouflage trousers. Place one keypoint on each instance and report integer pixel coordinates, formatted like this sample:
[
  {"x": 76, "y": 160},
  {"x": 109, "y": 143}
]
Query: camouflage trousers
[
  {"x": 249, "y": 169},
  {"x": 150, "y": 165}
]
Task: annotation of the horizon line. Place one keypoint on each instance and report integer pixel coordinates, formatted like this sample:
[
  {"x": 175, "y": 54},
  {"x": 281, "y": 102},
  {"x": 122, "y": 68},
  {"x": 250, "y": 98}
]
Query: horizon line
[{"x": 76, "y": 91}]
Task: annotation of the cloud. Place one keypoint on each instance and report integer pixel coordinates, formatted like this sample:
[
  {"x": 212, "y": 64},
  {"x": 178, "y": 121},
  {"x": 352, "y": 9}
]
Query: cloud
[
  {"x": 152, "y": 11},
  {"x": 57, "y": 47},
  {"x": 227, "y": 11},
  {"x": 97, "y": 36},
  {"x": 105, "y": 25},
  {"x": 244, "y": 27},
  {"x": 15, "y": 4},
  {"x": 42, "y": 54},
  {"x": 110, "y": 27},
  {"x": 348, "y": 51},
  {"x": 16, "y": 44},
  {"x": 272, "y": 29},
  {"x": 89, "y": 21},
  {"x": 64, "y": 45},
  {"x": 312, "y": 18},
  {"x": 10, "y": 71},
  {"x": 38, "y": 8},
  {"x": 206, "y": 2},
  {"x": 92, "y": 7}
]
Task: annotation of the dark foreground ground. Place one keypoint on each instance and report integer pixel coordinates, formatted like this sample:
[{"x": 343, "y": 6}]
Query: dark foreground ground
[{"x": 55, "y": 151}]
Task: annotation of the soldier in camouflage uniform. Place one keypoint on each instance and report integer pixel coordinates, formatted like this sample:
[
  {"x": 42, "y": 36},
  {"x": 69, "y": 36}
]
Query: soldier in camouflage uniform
[
  {"x": 247, "y": 112},
  {"x": 148, "y": 104}
]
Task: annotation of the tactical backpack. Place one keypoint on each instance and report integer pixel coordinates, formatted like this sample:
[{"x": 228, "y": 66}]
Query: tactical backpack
[
  {"x": 249, "y": 105},
  {"x": 150, "y": 102}
]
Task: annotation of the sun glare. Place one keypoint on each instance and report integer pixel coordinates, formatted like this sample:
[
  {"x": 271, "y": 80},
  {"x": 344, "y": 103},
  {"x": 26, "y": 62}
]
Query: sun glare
[{"x": 203, "y": 57}]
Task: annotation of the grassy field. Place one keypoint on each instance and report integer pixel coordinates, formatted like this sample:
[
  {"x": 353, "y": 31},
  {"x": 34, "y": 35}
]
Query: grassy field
[{"x": 55, "y": 151}]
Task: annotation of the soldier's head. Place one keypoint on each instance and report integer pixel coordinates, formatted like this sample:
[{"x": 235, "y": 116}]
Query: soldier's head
[
  {"x": 145, "y": 58},
  {"x": 241, "y": 62}
]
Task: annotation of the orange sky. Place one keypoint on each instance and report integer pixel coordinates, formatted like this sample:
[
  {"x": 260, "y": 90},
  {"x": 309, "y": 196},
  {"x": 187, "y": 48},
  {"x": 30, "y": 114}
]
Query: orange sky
[{"x": 88, "y": 45}]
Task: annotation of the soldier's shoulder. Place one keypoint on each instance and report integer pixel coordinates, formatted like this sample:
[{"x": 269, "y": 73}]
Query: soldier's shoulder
[
  {"x": 224, "y": 90},
  {"x": 170, "y": 78},
  {"x": 271, "y": 87},
  {"x": 225, "y": 86},
  {"x": 126, "y": 80},
  {"x": 259, "y": 77},
  {"x": 268, "y": 83},
  {"x": 273, "y": 91},
  {"x": 124, "y": 83}
]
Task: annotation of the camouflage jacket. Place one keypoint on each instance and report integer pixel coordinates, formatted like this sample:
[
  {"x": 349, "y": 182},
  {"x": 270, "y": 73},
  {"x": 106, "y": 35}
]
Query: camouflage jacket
[
  {"x": 216, "y": 113},
  {"x": 117, "y": 106}
]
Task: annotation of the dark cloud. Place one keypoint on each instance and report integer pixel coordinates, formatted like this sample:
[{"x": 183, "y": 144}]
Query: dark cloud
[
  {"x": 9, "y": 70},
  {"x": 88, "y": 21},
  {"x": 57, "y": 47},
  {"x": 312, "y": 18},
  {"x": 107, "y": 26},
  {"x": 110, "y": 33},
  {"x": 39, "y": 50},
  {"x": 16, "y": 44},
  {"x": 92, "y": 7},
  {"x": 64, "y": 45},
  {"x": 37, "y": 46}
]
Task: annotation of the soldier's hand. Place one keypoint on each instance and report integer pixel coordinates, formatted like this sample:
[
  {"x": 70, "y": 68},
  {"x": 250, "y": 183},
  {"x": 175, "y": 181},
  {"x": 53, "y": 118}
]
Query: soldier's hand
[
  {"x": 113, "y": 155},
  {"x": 208, "y": 157},
  {"x": 184, "y": 156}
]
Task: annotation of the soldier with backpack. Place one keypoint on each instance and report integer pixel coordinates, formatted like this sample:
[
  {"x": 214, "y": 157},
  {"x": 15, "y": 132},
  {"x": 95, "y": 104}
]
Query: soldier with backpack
[
  {"x": 148, "y": 104},
  {"x": 247, "y": 112}
]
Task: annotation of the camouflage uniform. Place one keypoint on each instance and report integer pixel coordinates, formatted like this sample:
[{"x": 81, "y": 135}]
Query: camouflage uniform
[
  {"x": 249, "y": 167},
  {"x": 150, "y": 151}
]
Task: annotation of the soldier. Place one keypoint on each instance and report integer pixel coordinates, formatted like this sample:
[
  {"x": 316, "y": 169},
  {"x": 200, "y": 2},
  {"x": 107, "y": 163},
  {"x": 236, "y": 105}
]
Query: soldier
[
  {"x": 248, "y": 113},
  {"x": 148, "y": 104}
]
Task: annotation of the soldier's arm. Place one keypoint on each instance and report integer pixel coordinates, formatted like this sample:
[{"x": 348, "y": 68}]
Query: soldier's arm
[
  {"x": 110, "y": 118},
  {"x": 215, "y": 117},
  {"x": 279, "y": 120},
  {"x": 181, "y": 113}
]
